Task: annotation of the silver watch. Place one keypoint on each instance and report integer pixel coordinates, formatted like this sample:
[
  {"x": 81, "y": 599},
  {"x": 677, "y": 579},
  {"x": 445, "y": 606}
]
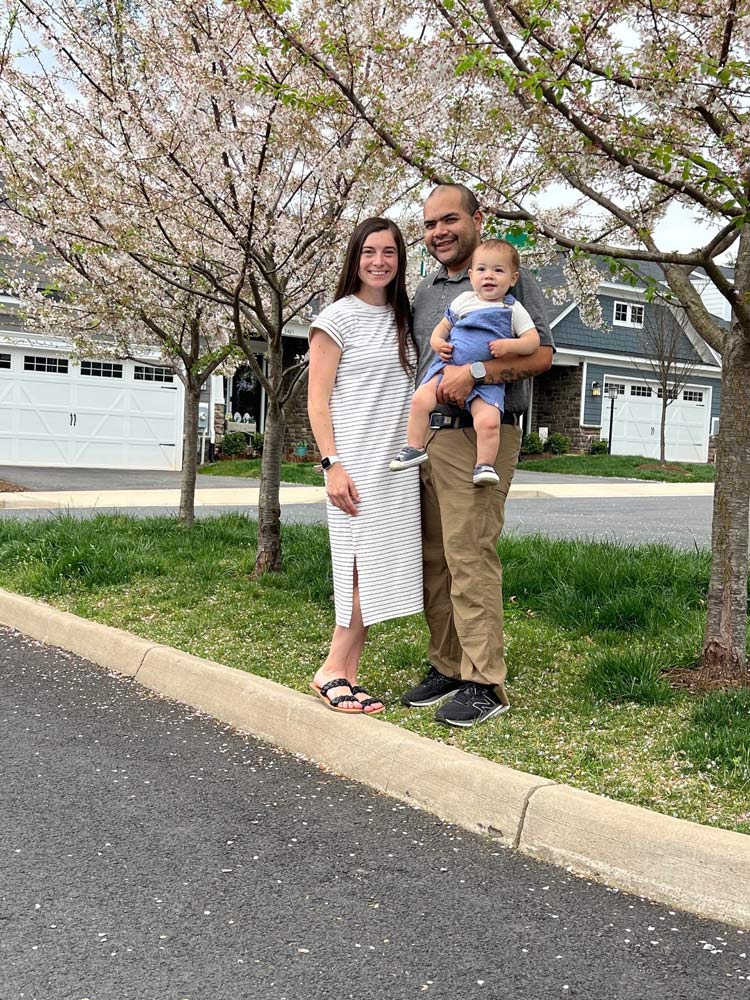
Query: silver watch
[{"x": 478, "y": 372}]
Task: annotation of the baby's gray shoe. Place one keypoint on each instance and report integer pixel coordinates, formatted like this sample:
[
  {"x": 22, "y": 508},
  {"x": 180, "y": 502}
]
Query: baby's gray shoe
[
  {"x": 485, "y": 474},
  {"x": 407, "y": 458}
]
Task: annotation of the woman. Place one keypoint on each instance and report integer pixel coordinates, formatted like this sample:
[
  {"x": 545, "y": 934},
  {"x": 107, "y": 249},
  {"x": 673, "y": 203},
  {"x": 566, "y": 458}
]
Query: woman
[{"x": 360, "y": 385}]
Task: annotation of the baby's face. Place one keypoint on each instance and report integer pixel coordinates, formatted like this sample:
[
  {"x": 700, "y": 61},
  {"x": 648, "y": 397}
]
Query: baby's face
[{"x": 491, "y": 273}]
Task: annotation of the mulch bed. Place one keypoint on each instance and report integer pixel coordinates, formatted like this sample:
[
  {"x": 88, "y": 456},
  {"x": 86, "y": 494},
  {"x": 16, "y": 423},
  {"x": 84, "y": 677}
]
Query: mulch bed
[
  {"x": 11, "y": 487},
  {"x": 696, "y": 683}
]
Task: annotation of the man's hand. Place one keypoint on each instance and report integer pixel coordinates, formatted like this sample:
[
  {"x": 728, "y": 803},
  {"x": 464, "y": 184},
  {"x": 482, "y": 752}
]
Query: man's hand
[{"x": 455, "y": 385}]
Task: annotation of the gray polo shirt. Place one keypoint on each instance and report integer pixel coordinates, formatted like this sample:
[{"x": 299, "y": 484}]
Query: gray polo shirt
[{"x": 437, "y": 290}]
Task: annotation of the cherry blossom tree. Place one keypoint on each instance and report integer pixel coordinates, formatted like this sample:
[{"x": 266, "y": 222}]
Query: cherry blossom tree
[
  {"x": 179, "y": 137},
  {"x": 102, "y": 303},
  {"x": 583, "y": 122}
]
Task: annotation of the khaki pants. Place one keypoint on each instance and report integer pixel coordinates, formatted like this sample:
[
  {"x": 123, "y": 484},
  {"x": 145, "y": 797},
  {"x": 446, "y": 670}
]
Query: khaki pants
[{"x": 461, "y": 524}]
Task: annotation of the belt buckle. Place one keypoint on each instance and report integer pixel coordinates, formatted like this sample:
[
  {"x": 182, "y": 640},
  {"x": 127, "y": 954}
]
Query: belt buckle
[{"x": 439, "y": 420}]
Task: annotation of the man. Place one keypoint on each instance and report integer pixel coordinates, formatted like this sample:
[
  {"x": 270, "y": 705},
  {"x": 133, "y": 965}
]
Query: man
[{"x": 461, "y": 523}]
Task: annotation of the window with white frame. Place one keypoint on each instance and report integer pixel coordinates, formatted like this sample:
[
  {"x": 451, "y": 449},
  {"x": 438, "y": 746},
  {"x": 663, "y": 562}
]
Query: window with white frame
[
  {"x": 35, "y": 363},
  {"x": 640, "y": 390},
  {"x": 628, "y": 314},
  {"x": 152, "y": 373},
  {"x": 617, "y": 385},
  {"x": 671, "y": 393},
  {"x": 692, "y": 396},
  {"x": 4, "y": 360},
  {"x": 102, "y": 369}
]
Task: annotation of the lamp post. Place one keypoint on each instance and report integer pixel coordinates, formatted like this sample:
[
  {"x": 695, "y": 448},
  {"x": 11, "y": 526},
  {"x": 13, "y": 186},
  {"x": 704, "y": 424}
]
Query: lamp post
[{"x": 613, "y": 391}]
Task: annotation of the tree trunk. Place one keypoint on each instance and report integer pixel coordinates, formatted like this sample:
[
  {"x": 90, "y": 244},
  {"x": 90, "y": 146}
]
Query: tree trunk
[
  {"x": 190, "y": 454},
  {"x": 724, "y": 655},
  {"x": 268, "y": 558}
]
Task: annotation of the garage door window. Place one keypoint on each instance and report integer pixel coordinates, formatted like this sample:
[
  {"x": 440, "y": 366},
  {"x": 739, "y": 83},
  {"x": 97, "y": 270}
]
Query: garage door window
[
  {"x": 4, "y": 360},
  {"x": 36, "y": 363},
  {"x": 692, "y": 396},
  {"x": 101, "y": 369},
  {"x": 152, "y": 373},
  {"x": 640, "y": 390}
]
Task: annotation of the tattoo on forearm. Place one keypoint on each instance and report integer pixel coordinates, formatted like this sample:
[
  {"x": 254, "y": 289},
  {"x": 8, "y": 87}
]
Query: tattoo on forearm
[{"x": 508, "y": 375}]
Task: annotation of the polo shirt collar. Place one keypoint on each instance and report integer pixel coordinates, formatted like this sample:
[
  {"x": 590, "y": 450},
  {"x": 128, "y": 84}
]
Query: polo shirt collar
[{"x": 441, "y": 276}]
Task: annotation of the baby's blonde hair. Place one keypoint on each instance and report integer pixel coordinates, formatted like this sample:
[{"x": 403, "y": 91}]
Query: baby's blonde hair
[{"x": 497, "y": 245}]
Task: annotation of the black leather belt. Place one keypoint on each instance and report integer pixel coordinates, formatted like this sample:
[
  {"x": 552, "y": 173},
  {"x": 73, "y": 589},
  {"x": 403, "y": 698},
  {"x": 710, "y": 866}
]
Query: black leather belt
[{"x": 441, "y": 420}]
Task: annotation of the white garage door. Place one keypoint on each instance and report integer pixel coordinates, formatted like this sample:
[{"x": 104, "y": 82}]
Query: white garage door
[
  {"x": 637, "y": 420},
  {"x": 92, "y": 414}
]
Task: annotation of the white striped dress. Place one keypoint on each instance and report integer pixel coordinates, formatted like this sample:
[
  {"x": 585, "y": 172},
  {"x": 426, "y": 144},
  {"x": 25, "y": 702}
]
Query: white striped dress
[{"x": 369, "y": 409}]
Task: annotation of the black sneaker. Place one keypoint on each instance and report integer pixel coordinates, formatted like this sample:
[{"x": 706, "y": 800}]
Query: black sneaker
[
  {"x": 473, "y": 704},
  {"x": 431, "y": 690}
]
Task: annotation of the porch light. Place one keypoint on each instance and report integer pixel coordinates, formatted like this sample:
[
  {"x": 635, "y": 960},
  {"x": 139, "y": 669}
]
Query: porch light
[{"x": 596, "y": 389}]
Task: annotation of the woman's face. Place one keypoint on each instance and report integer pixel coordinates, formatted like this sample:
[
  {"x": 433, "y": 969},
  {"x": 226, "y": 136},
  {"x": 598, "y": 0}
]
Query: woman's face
[{"x": 378, "y": 260}]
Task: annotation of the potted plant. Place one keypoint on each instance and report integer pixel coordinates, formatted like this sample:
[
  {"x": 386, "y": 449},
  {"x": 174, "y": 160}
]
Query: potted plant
[{"x": 301, "y": 449}]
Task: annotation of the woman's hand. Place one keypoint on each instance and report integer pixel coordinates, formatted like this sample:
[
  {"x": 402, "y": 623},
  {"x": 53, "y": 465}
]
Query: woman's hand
[{"x": 341, "y": 489}]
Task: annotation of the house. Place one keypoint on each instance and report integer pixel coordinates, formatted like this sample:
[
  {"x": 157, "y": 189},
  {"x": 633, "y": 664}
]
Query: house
[
  {"x": 608, "y": 377},
  {"x": 59, "y": 410}
]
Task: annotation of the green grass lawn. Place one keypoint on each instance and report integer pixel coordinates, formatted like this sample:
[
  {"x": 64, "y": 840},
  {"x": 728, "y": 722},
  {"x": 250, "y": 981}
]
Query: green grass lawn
[
  {"x": 626, "y": 466},
  {"x": 589, "y": 631},
  {"x": 249, "y": 468}
]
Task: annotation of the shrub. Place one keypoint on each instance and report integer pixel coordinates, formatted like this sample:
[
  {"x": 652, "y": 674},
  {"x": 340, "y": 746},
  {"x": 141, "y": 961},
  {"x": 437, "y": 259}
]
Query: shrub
[
  {"x": 532, "y": 444},
  {"x": 233, "y": 443},
  {"x": 598, "y": 446},
  {"x": 629, "y": 675},
  {"x": 257, "y": 442},
  {"x": 557, "y": 444}
]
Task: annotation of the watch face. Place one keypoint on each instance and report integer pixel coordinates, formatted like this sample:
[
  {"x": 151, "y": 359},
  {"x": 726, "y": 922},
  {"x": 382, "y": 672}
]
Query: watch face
[
  {"x": 478, "y": 370},
  {"x": 326, "y": 463}
]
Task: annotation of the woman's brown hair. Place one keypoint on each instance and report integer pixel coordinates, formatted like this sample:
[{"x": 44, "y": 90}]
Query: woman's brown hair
[{"x": 396, "y": 295}]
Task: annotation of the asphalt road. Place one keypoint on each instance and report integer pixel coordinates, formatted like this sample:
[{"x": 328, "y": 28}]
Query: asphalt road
[
  {"x": 150, "y": 853},
  {"x": 684, "y": 522}
]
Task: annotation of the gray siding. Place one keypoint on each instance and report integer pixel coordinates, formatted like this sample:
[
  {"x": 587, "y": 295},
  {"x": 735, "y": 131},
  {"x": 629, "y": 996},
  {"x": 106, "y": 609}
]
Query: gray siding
[
  {"x": 572, "y": 333},
  {"x": 594, "y": 406}
]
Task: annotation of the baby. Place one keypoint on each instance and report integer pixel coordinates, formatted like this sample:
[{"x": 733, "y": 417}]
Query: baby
[{"x": 478, "y": 325}]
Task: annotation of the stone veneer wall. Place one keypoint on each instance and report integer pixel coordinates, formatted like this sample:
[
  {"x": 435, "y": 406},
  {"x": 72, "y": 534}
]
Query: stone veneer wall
[
  {"x": 557, "y": 405},
  {"x": 298, "y": 429},
  {"x": 219, "y": 420}
]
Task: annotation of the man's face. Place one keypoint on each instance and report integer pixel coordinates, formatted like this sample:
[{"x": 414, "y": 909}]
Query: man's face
[{"x": 451, "y": 235}]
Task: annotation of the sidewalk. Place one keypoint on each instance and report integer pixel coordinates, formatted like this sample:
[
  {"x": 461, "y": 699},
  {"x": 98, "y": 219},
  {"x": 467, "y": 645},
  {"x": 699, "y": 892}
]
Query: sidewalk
[
  {"x": 107, "y": 499},
  {"x": 237, "y": 496}
]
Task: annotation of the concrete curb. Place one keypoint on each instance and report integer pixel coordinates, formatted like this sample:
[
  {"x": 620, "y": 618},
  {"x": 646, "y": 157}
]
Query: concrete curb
[{"x": 700, "y": 869}]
